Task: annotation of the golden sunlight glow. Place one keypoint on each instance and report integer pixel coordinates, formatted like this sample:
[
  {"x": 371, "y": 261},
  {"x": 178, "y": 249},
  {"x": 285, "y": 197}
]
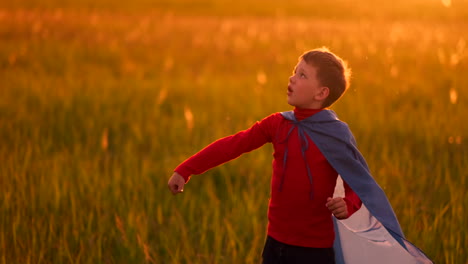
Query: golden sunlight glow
[
  {"x": 120, "y": 227},
  {"x": 104, "y": 140},
  {"x": 145, "y": 249},
  {"x": 12, "y": 59},
  {"x": 394, "y": 71},
  {"x": 454, "y": 59},
  {"x": 447, "y": 3},
  {"x": 453, "y": 95},
  {"x": 162, "y": 96},
  {"x": 451, "y": 140},
  {"x": 455, "y": 140},
  {"x": 188, "y": 118},
  {"x": 441, "y": 56},
  {"x": 461, "y": 44},
  {"x": 261, "y": 78},
  {"x": 168, "y": 64}
]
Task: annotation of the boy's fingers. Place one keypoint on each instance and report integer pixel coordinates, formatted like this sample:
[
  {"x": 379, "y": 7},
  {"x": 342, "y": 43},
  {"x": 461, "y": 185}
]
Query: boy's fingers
[
  {"x": 333, "y": 203},
  {"x": 338, "y": 207},
  {"x": 176, "y": 183},
  {"x": 171, "y": 188},
  {"x": 175, "y": 189},
  {"x": 180, "y": 188},
  {"x": 339, "y": 211},
  {"x": 341, "y": 216},
  {"x": 334, "y": 207}
]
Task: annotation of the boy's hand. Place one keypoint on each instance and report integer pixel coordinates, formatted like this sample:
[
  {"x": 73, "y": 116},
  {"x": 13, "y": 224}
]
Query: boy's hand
[
  {"x": 176, "y": 183},
  {"x": 338, "y": 207}
]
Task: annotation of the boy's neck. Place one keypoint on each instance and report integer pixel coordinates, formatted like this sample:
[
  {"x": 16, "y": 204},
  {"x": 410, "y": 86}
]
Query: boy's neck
[{"x": 303, "y": 113}]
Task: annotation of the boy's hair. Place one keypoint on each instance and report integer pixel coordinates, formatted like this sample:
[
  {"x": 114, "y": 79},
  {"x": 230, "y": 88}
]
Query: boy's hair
[{"x": 332, "y": 72}]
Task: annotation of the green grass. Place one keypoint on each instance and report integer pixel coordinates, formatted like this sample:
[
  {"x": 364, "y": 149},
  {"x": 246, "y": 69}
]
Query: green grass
[{"x": 94, "y": 103}]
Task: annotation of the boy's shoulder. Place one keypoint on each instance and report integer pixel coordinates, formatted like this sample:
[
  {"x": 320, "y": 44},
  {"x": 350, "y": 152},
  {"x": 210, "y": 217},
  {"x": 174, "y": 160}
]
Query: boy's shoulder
[
  {"x": 273, "y": 117},
  {"x": 271, "y": 121},
  {"x": 325, "y": 122}
]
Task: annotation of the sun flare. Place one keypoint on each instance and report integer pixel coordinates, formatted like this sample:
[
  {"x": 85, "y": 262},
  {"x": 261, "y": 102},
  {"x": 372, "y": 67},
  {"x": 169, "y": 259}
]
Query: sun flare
[{"x": 447, "y": 3}]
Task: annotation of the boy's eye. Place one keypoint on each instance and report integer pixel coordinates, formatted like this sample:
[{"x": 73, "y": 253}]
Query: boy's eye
[{"x": 302, "y": 75}]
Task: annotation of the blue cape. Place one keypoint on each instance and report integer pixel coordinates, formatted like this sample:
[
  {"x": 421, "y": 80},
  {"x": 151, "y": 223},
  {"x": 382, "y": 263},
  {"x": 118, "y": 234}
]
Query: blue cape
[{"x": 336, "y": 142}]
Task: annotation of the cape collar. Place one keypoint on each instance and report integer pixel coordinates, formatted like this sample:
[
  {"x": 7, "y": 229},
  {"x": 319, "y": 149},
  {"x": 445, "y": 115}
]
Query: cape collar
[{"x": 324, "y": 115}]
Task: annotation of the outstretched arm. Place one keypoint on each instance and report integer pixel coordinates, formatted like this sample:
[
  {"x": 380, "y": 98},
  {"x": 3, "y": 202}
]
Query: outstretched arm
[{"x": 223, "y": 150}]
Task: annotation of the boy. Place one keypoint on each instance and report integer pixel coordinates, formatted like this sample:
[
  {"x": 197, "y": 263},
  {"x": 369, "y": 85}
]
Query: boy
[
  {"x": 300, "y": 228},
  {"x": 311, "y": 147}
]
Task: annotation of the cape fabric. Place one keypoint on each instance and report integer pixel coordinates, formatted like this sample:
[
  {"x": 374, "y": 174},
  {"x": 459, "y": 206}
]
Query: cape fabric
[{"x": 374, "y": 227}]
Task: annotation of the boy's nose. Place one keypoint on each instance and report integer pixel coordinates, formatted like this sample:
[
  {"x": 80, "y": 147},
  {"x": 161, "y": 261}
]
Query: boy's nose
[{"x": 291, "y": 79}]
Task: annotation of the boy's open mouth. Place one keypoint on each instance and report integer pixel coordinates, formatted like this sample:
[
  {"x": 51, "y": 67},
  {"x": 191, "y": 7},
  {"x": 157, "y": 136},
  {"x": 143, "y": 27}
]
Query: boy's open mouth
[{"x": 289, "y": 89}]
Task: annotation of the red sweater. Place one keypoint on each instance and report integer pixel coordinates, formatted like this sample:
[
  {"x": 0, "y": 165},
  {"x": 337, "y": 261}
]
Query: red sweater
[{"x": 293, "y": 217}]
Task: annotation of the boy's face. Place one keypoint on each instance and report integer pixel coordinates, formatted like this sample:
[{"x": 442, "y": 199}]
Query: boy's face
[{"x": 304, "y": 89}]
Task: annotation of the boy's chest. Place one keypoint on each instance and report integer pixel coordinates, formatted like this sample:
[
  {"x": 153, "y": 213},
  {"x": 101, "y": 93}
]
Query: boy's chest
[
  {"x": 296, "y": 148},
  {"x": 291, "y": 164}
]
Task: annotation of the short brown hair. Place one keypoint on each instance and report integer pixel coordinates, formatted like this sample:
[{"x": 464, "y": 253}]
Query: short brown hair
[{"x": 332, "y": 72}]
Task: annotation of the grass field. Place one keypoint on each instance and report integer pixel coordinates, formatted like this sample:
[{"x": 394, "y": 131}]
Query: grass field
[{"x": 99, "y": 101}]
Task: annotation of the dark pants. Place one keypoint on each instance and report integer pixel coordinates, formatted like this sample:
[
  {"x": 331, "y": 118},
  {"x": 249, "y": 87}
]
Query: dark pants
[{"x": 276, "y": 252}]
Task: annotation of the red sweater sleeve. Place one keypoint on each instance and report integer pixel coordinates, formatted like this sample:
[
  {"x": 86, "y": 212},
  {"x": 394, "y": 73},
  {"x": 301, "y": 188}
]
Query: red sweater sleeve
[
  {"x": 228, "y": 148},
  {"x": 353, "y": 203}
]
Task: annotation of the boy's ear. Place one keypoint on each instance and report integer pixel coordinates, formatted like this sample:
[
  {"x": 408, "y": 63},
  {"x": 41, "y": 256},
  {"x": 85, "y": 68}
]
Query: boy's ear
[{"x": 323, "y": 94}]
